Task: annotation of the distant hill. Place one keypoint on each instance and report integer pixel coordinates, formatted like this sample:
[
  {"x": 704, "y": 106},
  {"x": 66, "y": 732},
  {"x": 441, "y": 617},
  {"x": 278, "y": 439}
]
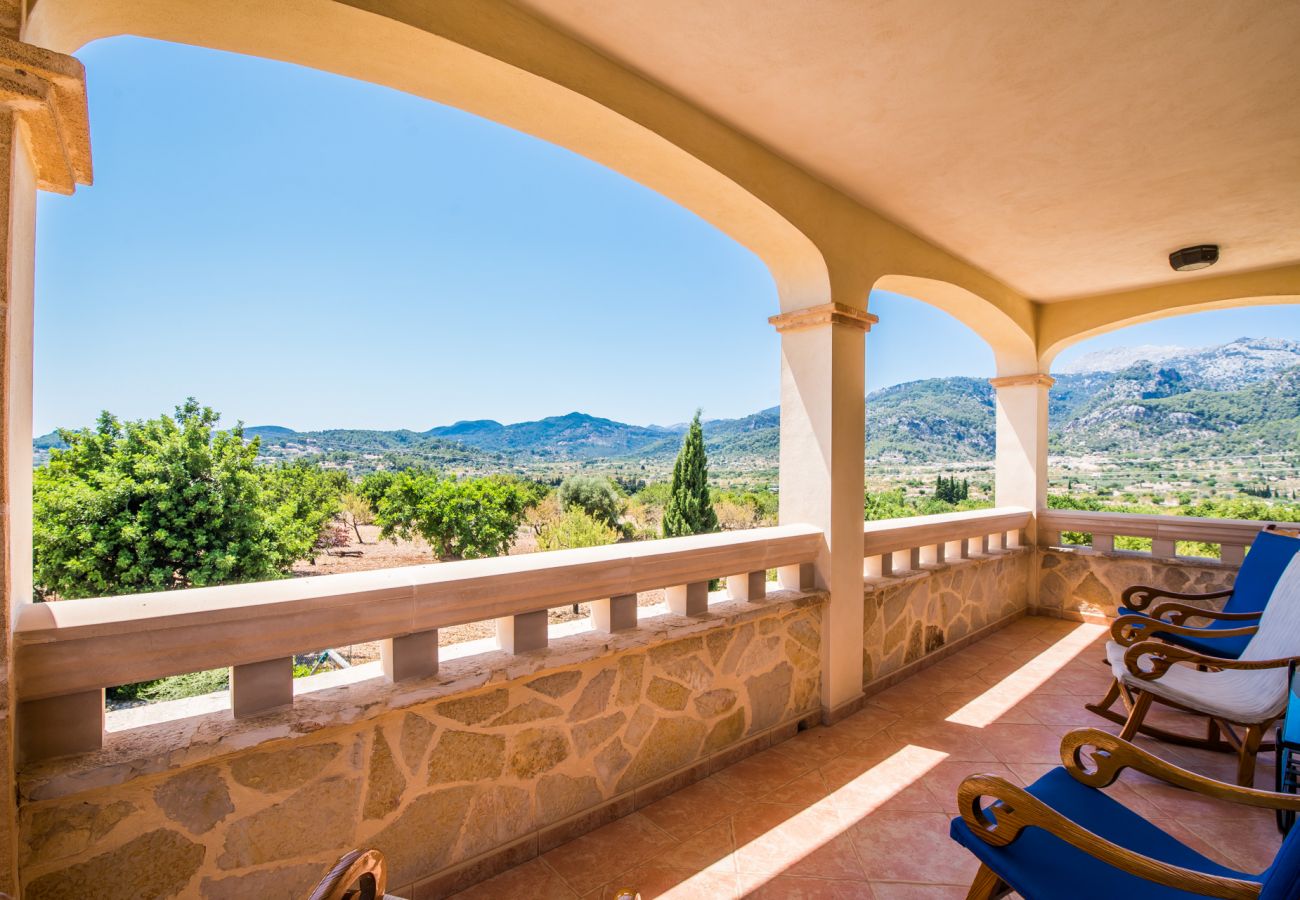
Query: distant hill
[
  {"x": 574, "y": 436},
  {"x": 1240, "y": 397}
]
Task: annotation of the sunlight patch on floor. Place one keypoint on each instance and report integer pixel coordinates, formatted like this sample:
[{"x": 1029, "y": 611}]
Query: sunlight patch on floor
[
  {"x": 994, "y": 703},
  {"x": 864, "y": 794}
]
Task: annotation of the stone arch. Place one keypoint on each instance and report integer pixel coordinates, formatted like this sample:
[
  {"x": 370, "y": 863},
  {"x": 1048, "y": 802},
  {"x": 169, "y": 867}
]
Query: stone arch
[
  {"x": 1066, "y": 323},
  {"x": 491, "y": 60},
  {"x": 1013, "y": 347}
]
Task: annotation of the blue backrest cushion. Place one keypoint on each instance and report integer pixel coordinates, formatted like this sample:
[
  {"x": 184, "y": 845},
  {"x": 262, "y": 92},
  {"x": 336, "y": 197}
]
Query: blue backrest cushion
[
  {"x": 1282, "y": 879},
  {"x": 1263, "y": 566}
]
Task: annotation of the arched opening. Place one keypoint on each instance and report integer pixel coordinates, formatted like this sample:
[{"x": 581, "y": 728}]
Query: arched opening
[
  {"x": 293, "y": 324},
  {"x": 1193, "y": 414},
  {"x": 930, "y": 436}
]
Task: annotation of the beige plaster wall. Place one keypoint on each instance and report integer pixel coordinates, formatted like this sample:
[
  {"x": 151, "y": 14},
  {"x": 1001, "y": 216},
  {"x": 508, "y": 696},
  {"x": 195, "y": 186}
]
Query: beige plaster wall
[
  {"x": 910, "y": 617},
  {"x": 490, "y": 775},
  {"x": 1077, "y": 583}
]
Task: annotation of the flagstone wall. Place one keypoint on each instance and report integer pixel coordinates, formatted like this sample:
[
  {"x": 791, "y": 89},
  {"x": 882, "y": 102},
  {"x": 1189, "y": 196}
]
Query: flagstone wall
[
  {"x": 450, "y": 788},
  {"x": 1077, "y": 583},
  {"x": 912, "y": 615}
]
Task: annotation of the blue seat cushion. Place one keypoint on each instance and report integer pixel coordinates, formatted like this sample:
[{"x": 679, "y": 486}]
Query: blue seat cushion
[
  {"x": 1041, "y": 866},
  {"x": 1223, "y": 647},
  {"x": 1268, "y": 558}
]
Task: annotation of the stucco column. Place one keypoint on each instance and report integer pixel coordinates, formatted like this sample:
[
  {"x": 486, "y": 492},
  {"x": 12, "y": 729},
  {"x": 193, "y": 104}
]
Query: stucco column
[
  {"x": 44, "y": 144},
  {"x": 1021, "y": 465},
  {"x": 823, "y": 382}
]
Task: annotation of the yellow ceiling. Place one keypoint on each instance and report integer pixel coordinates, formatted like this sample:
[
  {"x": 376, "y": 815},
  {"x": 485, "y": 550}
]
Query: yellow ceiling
[{"x": 1065, "y": 148}]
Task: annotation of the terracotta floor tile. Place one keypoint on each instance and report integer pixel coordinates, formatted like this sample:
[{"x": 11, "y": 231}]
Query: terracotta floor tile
[
  {"x": 905, "y": 697},
  {"x": 1023, "y": 743},
  {"x": 912, "y": 846},
  {"x": 772, "y": 839},
  {"x": 533, "y": 879},
  {"x": 805, "y": 790},
  {"x": 655, "y": 881},
  {"x": 865, "y": 725},
  {"x": 942, "y": 781},
  {"x": 762, "y": 773},
  {"x": 712, "y": 849},
  {"x": 957, "y": 741},
  {"x": 865, "y": 796},
  {"x": 598, "y": 858},
  {"x": 792, "y": 887},
  {"x": 1187, "y": 805},
  {"x": 694, "y": 808},
  {"x": 1049, "y": 709},
  {"x": 816, "y": 745},
  {"x": 1249, "y": 844},
  {"x": 897, "y": 890}
]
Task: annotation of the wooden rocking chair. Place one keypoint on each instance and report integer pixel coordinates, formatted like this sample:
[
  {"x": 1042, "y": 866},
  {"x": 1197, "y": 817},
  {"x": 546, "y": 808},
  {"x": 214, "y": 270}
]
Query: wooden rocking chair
[
  {"x": 358, "y": 875},
  {"x": 1064, "y": 837},
  {"x": 1246, "y": 694}
]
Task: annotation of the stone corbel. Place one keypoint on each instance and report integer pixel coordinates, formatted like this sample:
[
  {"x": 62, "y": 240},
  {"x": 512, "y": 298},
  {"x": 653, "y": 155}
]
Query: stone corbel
[
  {"x": 47, "y": 93},
  {"x": 826, "y": 314},
  {"x": 1033, "y": 378}
]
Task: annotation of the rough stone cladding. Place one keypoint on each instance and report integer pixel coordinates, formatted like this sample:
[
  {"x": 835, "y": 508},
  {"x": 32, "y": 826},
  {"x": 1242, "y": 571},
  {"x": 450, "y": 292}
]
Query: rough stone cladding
[
  {"x": 1076, "y": 583},
  {"x": 440, "y": 782},
  {"x": 908, "y": 617}
]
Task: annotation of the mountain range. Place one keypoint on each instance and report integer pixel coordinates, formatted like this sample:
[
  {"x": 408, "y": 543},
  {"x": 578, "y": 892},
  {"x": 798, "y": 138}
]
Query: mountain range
[{"x": 1236, "y": 398}]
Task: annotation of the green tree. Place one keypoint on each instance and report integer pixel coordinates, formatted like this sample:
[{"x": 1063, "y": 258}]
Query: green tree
[
  {"x": 300, "y": 500},
  {"x": 152, "y": 505},
  {"x": 374, "y": 485},
  {"x": 593, "y": 494},
  {"x": 689, "y": 509},
  {"x": 460, "y": 518},
  {"x": 575, "y": 528}
]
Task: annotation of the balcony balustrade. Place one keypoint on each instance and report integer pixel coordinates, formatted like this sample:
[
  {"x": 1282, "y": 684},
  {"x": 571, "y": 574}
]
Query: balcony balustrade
[
  {"x": 907, "y": 544},
  {"x": 1233, "y": 536},
  {"x": 69, "y": 651}
]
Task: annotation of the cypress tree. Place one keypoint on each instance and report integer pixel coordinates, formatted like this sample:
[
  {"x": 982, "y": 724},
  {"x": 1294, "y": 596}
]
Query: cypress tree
[{"x": 689, "y": 509}]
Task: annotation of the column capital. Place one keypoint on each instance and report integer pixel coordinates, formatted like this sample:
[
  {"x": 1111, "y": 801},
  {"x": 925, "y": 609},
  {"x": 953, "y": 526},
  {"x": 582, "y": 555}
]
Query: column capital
[
  {"x": 826, "y": 314},
  {"x": 1033, "y": 378},
  {"x": 46, "y": 91}
]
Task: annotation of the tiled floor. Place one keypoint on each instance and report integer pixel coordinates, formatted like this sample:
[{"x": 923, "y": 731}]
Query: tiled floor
[{"x": 861, "y": 809}]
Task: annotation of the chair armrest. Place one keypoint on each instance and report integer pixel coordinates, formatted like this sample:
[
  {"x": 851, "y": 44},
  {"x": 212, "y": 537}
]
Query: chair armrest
[
  {"x": 1179, "y": 613},
  {"x": 1129, "y": 630},
  {"x": 1140, "y": 596},
  {"x": 1163, "y": 655},
  {"x": 1016, "y": 809},
  {"x": 1108, "y": 755}
]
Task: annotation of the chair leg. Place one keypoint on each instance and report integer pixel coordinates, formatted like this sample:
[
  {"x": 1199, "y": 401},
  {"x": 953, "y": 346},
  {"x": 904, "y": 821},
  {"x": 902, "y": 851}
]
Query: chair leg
[
  {"x": 1103, "y": 706},
  {"x": 1246, "y": 758},
  {"x": 1136, "y": 715},
  {"x": 987, "y": 885}
]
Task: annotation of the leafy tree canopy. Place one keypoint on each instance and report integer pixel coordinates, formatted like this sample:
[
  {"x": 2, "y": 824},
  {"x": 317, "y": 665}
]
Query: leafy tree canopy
[
  {"x": 460, "y": 518},
  {"x": 168, "y": 503},
  {"x": 593, "y": 494}
]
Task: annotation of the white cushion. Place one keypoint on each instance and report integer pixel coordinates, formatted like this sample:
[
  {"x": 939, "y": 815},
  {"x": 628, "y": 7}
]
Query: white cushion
[{"x": 1243, "y": 696}]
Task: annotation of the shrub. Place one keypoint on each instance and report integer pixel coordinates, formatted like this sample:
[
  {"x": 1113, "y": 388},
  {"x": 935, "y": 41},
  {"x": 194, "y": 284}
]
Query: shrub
[
  {"x": 594, "y": 495},
  {"x": 575, "y": 528}
]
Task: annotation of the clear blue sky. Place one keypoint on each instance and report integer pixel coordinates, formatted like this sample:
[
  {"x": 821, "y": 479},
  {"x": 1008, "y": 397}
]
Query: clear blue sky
[{"x": 300, "y": 249}]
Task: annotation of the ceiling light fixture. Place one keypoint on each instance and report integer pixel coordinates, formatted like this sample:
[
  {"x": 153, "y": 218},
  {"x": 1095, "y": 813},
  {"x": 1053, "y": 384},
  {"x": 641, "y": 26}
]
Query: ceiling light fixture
[{"x": 1189, "y": 259}]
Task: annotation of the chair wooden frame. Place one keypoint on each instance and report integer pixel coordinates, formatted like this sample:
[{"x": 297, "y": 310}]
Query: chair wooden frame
[
  {"x": 1140, "y": 596},
  {"x": 1096, "y": 758},
  {"x": 1221, "y": 733},
  {"x": 364, "y": 868},
  {"x": 1129, "y": 630}
]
